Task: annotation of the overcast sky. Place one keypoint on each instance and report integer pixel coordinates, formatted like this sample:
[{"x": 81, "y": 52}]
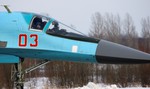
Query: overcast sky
[{"x": 79, "y": 12}]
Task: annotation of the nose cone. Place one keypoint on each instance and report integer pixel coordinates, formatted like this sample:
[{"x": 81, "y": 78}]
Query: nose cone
[{"x": 112, "y": 53}]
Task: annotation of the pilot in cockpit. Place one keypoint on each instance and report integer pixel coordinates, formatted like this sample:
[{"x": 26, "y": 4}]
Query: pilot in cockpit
[
  {"x": 37, "y": 22},
  {"x": 55, "y": 28}
]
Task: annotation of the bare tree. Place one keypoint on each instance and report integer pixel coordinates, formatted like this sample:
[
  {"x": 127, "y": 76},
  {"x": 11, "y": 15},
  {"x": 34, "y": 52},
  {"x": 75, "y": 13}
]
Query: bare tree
[
  {"x": 97, "y": 29},
  {"x": 145, "y": 27},
  {"x": 146, "y": 33},
  {"x": 130, "y": 32},
  {"x": 145, "y": 46},
  {"x": 113, "y": 27}
]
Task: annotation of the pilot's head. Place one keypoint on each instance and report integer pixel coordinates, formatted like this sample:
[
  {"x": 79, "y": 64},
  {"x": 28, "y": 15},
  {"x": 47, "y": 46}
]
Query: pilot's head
[
  {"x": 38, "y": 23},
  {"x": 55, "y": 23}
]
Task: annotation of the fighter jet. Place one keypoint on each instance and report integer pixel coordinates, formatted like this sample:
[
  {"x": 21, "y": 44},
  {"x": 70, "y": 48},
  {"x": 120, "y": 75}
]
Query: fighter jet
[{"x": 30, "y": 35}]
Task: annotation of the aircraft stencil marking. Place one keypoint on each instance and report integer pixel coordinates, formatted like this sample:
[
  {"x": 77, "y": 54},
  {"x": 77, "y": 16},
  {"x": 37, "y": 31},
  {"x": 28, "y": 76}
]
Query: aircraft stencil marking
[{"x": 74, "y": 48}]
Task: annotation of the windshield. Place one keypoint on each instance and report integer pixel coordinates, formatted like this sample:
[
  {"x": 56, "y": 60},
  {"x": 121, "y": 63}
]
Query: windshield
[{"x": 62, "y": 30}]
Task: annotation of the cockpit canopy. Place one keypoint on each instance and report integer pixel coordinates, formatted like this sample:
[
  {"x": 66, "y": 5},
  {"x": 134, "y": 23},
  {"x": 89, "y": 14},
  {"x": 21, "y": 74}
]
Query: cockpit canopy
[{"x": 53, "y": 27}]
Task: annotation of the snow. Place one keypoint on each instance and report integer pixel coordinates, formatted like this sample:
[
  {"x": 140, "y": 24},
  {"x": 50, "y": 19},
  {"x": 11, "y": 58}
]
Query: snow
[
  {"x": 92, "y": 85},
  {"x": 37, "y": 83},
  {"x": 135, "y": 88},
  {"x": 44, "y": 83}
]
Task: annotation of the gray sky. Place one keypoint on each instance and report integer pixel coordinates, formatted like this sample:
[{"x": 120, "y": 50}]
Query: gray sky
[{"x": 79, "y": 12}]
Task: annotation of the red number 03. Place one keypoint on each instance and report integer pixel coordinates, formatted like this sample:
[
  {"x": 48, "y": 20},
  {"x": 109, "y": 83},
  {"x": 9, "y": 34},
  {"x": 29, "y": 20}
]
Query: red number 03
[{"x": 23, "y": 40}]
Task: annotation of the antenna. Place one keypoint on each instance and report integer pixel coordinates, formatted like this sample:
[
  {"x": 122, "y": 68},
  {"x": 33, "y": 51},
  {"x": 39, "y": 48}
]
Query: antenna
[{"x": 6, "y": 7}]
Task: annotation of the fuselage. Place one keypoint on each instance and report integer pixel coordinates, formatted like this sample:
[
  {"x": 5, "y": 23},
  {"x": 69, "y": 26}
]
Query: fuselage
[
  {"x": 29, "y": 35},
  {"x": 23, "y": 41}
]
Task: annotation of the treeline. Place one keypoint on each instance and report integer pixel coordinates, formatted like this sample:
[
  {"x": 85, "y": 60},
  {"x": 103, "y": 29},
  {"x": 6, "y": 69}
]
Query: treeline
[
  {"x": 109, "y": 27},
  {"x": 113, "y": 28}
]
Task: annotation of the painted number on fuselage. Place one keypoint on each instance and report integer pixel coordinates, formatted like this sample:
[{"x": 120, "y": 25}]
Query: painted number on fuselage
[
  {"x": 22, "y": 43},
  {"x": 35, "y": 40},
  {"x": 23, "y": 40}
]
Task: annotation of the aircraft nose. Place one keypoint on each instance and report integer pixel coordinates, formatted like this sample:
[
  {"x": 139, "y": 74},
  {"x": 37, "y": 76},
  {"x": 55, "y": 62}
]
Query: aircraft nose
[{"x": 112, "y": 53}]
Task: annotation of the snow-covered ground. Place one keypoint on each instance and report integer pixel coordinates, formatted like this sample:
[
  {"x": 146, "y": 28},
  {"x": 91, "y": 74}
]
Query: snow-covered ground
[
  {"x": 44, "y": 83},
  {"x": 37, "y": 83},
  {"x": 92, "y": 85}
]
